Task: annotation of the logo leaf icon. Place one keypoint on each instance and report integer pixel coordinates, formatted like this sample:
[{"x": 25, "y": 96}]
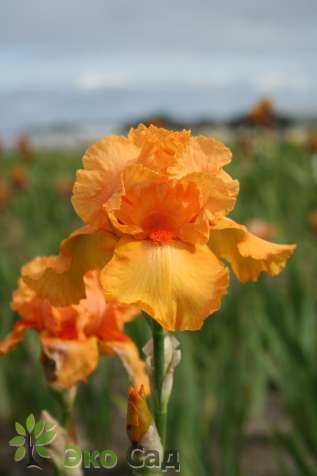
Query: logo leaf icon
[
  {"x": 43, "y": 452},
  {"x": 17, "y": 441},
  {"x": 39, "y": 428},
  {"x": 30, "y": 423},
  {"x": 46, "y": 438},
  {"x": 19, "y": 454},
  {"x": 20, "y": 429}
]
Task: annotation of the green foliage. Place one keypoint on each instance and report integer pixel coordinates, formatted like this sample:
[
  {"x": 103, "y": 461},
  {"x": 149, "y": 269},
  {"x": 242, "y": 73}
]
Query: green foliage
[{"x": 263, "y": 341}]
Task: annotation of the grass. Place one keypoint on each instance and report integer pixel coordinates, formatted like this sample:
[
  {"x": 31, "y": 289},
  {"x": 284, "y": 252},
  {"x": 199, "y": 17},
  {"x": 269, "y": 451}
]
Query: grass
[{"x": 262, "y": 342}]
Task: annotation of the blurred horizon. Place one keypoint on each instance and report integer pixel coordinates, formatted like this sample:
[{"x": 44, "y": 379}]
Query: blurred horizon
[{"x": 118, "y": 61}]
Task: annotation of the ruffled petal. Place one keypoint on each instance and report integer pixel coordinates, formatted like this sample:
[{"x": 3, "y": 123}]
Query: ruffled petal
[
  {"x": 103, "y": 163},
  {"x": 26, "y": 303},
  {"x": 128, "y": 353},
  {"x": 60, "y": 280},
  {"x": 16, "y": 336},
  {"x": 178, "y": 154},
  {"x": 247, "y": 254},
  {"x": 203, "y": 154},
  {"x": 151, "y": 207},
  {"x": 178, "y": 284},
  {"x": 160, "y": 149},
  {"x": 68, "y": 362},
  {"x": 219, "y": 192}
]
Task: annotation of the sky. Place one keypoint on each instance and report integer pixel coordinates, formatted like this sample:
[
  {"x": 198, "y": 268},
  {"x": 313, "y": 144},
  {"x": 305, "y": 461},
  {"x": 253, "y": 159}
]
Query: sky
[{"x": 188, "y": 57}]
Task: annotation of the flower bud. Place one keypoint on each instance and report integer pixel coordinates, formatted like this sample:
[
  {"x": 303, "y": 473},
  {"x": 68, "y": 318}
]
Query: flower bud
[
  {"x": 56, "y": 448},
  {"x": 140, "y": 424},
  {"x": 172, "y": 357}
]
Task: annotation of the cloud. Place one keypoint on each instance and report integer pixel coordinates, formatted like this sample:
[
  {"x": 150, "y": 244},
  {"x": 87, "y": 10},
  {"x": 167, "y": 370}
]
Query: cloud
[
  {"x": 93, "y": 80},
  {"x": 275, "y": 82}
]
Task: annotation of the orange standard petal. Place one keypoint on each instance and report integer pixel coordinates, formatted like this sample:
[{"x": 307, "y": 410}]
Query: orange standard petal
[
  {"x": 160, "y": 149},
  {"x": 178, "y": 284},
  {"x": 178, "y": 154},
  {"x": 204, "y": 154},
  {"x": 160, "y": 210},
  {"x": 247, "y": 254},
  {"x": 172, "y": 154},
  {"x": 101, "y": 177},
  {"x": 61, "y": 280}
]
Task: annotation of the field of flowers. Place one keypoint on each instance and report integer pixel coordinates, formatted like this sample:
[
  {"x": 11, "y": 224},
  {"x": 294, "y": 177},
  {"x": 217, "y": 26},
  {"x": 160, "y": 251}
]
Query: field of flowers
[{"x": 244, "y": 400}]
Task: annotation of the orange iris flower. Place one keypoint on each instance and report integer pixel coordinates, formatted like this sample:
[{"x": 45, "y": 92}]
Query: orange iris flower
[
  {"x": 74, "y": 337},
  {"x": 155, "y": 205}
]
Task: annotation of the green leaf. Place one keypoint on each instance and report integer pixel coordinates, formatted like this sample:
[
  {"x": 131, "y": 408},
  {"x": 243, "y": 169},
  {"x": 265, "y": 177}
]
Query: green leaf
[
  {"x": 46, "y": 438},
  {"x": 50, "y": 426},
  {"x": 38, "y": 429},
  {"x": 20, "y": 429},
  {"x": 43, "y": 452},
  {"x": 17, "y": 441},
  {"x": 30, "y": 423},
  {"x": 19, "y": 454}
]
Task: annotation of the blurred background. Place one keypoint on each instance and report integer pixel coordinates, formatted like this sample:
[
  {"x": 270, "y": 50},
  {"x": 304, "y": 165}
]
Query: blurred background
[{"x": 244, "y": 72}]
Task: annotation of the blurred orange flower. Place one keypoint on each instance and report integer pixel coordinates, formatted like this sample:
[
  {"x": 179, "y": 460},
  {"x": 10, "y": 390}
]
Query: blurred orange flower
[
  {"x": 262, "y": 229},
  {"x": 73, "y": 338},
  {"x": 25, "y": 148},
  {"x": 2, "y": 149},
  {"x": 155, "y": 204},
  {"x": 262, "y": 113},
  {"x": 4, "y": 194},
  {"x": 19, "y": 177},
  {"x": 63, "y": 187},
  {"x": 312, "y": 141},
  {"x": 313, "y": 221}
]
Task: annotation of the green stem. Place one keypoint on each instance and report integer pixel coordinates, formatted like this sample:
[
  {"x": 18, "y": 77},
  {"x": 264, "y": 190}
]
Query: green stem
[
  {"x": 66, "y": 400},
  {"x": 158, "y": 363},
  {"x": 58, "y": 471},
  {"x": 67, "y": 410}
]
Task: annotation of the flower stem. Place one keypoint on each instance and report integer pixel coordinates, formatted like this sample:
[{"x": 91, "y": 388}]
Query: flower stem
[
  {"x": 66, "y": 400},
  {"x": 158, "y": 363},
  {"x": 58, "y": 471},
  {"x": 67, "y": 410}
]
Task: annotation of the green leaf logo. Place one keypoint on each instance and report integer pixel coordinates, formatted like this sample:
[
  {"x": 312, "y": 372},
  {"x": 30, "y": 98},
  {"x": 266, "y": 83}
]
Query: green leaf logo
[
  {"x": 32, "y": 440},
  {"x": 30, "y": 423},
  {"x": 19, "y": 454},
  {"x": 17, "y": 441},
  {"x": 20, "y": 429}
]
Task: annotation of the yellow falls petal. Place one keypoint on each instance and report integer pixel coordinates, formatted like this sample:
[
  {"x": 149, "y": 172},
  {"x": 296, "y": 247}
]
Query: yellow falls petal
[
  {"x": 248, "y": 255},
  {"x": 60, "y": 279},
  {"x": 178, "y": 284}
]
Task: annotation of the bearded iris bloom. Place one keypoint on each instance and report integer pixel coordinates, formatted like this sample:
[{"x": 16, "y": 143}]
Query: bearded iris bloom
[
  {"x": 156, "y": 207},
  {"x": 73, "y": 338}
]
